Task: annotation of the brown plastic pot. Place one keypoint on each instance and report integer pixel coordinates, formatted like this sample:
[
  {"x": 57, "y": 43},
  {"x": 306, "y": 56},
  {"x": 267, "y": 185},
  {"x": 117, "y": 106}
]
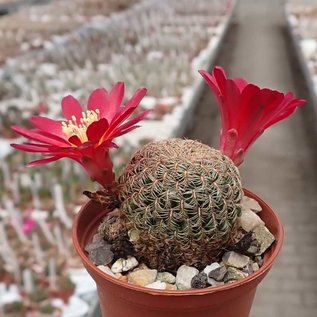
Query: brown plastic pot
[{"x": 119, "y": 299}]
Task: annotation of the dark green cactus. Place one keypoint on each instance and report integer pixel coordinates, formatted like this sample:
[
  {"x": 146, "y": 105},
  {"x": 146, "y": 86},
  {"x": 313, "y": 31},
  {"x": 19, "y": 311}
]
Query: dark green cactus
[{"x": 180, "y": 201}]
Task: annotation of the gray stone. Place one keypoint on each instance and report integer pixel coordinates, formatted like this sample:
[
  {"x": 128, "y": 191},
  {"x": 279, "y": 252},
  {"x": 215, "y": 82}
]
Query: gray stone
[
  {"x": 210, "y": 268},
  {"x": 253, "y": 249},
  {"x": 166, "y": 277},
  {"x": 99, "y": 252},
  {"x": 200, "y": 280},
  {"x": 233, "y": 274},
  {"x": 235, "y": 259},
  {"x": 264, "y": 238},
  {"x": 184, "y": 276},
  {"x": 218, "y": 274},
  {"x": 259, "y": 260},
  {"x": 142, "y": 277},
  {"x": 249, "y": 220},
  {"x": 248, "y": 269},
  {"x": 243, "y": 243}
]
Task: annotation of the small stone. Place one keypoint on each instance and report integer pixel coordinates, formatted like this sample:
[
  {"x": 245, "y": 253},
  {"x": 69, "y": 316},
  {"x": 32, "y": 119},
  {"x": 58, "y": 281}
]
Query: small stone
[
  {"x": 142, "y": 277},
  {"x": 171, "y": 287},
  {"x": 99, "y": 252},
  {"x": 218, "y": 274},
  {"x": 248, "y": 269},
  {"x": 233, "y": 274},
  {"x": 129, "y": 264},
  {"x": 259, "y": 260},
  {"x": 97, "y": 237},
  {"x": 94, "y": 245},
  {"x": 199, "y": 281},
  {"x": 249, "y": 220},
  {"x": 264, "y": 238},
  {"x": 255, "y": 266},
  {"x": 243, "y": 244},
  {"x": 235, "y": 259},
  {"x": 253, "y": 249},
  {"x": 166, "y": 277},
  {"x": 123, "y": 278},
  {"x": 142, "y": 266},
  {"x": 124, "y": 265},
  {"x": 250, "y": 203},
  {"x": 184, "y": 276},
  {"x": 117, "y": 267},
  {"x": 105, "y": 269},
  {"x": 210, "y": 268},
  {"x": 157, "y": 285}
]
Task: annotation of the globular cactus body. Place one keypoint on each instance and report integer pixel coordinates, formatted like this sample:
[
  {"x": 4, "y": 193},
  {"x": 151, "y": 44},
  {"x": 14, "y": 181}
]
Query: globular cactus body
[{"x": 180, "y": 200}]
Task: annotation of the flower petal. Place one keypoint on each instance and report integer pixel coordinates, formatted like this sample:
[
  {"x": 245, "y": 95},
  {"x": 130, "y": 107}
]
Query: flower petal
[
  {"x": 44, "y": 161},
  {"x": 97, "y": 129},
  {"x": 39, "y": 136},
  {"x": 71, "y": 107},
  {"x": 99, "y": 99},
  {"x": 129, "y": 107},
  {"x": 45, "y": 124},
  {"x": 116, "y": 96},
  {"x": 246, "y": 111},
  {"x": 129, "y": 125},
  {"x": 75, "y": 140}
]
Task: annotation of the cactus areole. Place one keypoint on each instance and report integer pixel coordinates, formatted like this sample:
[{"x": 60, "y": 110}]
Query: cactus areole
[{"x": 178, "y": 199}]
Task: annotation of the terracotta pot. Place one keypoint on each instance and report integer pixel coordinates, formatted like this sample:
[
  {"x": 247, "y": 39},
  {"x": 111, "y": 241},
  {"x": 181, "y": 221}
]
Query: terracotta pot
[{"x": 119, "y": 299}]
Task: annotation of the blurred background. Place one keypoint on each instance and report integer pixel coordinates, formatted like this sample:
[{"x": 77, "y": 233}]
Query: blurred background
[{"x": 49, "y": 49}]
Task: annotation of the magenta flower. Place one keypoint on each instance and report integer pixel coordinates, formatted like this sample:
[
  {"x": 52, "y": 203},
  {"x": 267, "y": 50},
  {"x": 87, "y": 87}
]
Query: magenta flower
[
  {"x": 86, "y": 135},
  {"x": 246, "y": 111},
  {"x": 28, "y": 226}
]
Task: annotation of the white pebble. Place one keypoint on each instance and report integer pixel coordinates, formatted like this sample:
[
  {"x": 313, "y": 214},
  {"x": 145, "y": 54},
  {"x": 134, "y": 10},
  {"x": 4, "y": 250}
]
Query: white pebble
[
  {"x": 129, "y": 264},
  {"x": 124, "y": 265},
  {"x": 105, "y": 269},
  {"x": 117, "y": 267},
  {"x": 184, "y": 276},
  {"x": 157, "y": 285}
]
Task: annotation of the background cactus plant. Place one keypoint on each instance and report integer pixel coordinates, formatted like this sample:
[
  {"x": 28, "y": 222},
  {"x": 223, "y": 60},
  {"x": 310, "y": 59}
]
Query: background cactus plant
[{"x": 180, "y": 201}]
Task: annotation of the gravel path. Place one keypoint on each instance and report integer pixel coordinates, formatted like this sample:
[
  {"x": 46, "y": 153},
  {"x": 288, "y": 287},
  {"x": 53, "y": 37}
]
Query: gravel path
[{"x": 281, "y": 167}]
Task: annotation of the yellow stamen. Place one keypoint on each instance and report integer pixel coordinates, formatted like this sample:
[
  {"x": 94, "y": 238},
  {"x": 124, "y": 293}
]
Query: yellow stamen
[{"x": 72, "y": 127}]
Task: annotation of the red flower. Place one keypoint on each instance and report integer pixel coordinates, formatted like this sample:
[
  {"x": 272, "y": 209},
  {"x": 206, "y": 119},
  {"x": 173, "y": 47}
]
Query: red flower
[
  {"x": 86, "y": 135},
  {"x": 246, "y": 111}
]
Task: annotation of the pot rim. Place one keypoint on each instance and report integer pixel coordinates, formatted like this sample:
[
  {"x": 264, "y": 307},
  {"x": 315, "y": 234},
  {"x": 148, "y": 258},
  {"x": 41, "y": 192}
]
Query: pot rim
[{"x": 196, "y": 292}]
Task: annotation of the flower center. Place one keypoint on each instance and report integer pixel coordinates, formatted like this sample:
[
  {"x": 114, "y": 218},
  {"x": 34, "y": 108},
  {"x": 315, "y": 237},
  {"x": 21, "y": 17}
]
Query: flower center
[{"x": 72, "y": 127}]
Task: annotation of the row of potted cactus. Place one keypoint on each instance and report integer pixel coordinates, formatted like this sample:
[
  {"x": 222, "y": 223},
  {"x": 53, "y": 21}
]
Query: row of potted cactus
[
  {"x": 302, "y": 21},
  {"x": 31, "y": 28}
]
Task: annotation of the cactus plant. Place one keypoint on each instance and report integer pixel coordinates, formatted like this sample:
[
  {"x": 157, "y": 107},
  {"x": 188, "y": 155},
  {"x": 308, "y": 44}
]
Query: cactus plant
[
  {"x": 14, "y": 309},
  {"x": 177, "y": 201},
  {"x": 180, "y": 199}
]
